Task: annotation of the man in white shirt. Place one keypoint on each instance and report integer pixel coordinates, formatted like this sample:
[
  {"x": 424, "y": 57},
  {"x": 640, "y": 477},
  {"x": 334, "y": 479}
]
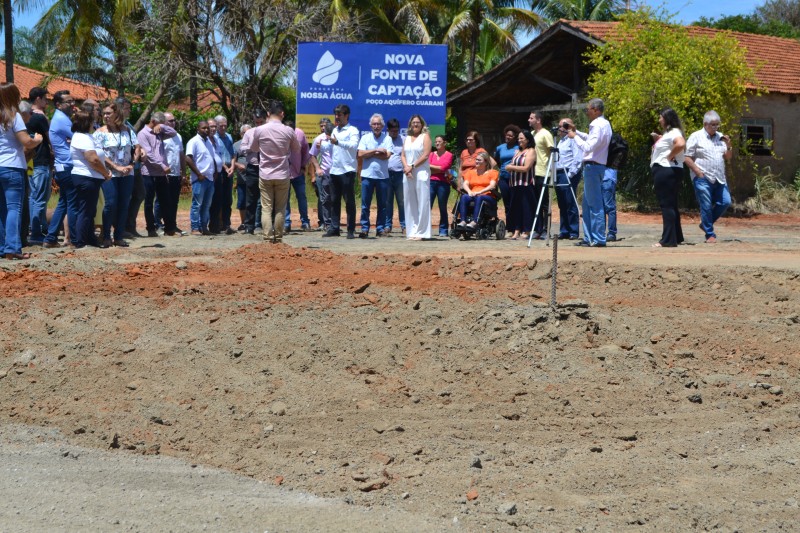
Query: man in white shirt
[
  {"x": 176, "y": 159},
  {"x": 343, "y": 172},
  {"x": 706, "y": 152},
  {"x": 321, "y": 159},
  {"x": 595, "y": 156},
  {"x": 374, "y": 150},
  {"x": 205, "y": 163}
]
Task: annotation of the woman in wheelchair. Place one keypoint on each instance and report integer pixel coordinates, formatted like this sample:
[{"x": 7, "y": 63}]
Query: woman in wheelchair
[{"x": 480, "y": 185}]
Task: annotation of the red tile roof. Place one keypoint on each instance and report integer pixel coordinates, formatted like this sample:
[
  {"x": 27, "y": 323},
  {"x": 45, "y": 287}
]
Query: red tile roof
[
  {"x": 775, "y": 60},
  {"x": 207, "y": 101},
  {"x": 26, "y": 79}
]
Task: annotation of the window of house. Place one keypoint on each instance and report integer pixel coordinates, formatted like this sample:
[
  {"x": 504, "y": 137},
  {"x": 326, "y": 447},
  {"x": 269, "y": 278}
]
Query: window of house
[{"x": 757, "y": 133}]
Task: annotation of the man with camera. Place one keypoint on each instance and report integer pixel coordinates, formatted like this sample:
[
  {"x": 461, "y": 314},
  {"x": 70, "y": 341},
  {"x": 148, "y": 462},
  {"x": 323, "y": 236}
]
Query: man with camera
[
  {"x": 595, "y": 156},
  {"x": 568, "y": 176}
]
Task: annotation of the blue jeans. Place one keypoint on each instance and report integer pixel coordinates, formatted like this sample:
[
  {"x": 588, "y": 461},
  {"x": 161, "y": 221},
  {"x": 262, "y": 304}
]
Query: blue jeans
[
  {"x": 441, "y": 190},
  {"x": 381, "y": 189},
  {"x": 299, "y": 185},
  {"x": 12, "y": 190},
  {"x": 200, "y": 213},
  {"x": 37, "y": 202},
  {"x": 505, "y": 189},
  {"x": 609, "y": 188},
  {"x": 477, "y": 201},
  {"x": 117, "y": 195},
  {"x": 66, "y": 206},
  {"x": 87, "y": 193},
  {"x": 594, "y": 215},
  {"x": 714, "y": 199},
  {"x": 568, "y": 204},
  {"x": 395, "y": 194}
]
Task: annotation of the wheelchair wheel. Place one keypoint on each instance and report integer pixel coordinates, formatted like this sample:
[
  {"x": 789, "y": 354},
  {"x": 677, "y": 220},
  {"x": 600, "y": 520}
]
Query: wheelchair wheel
[
  {"x": 483, "y": 234},
  {"x": 500, "y": 232}
]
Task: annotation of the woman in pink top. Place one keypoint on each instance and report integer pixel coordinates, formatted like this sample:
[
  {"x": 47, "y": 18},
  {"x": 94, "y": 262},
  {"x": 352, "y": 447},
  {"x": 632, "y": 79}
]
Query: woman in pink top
[{"x": 441, "y": 160}]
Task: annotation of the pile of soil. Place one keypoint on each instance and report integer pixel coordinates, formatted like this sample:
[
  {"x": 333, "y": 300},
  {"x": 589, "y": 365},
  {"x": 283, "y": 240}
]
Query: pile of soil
[{"x": 440, "y": 384}]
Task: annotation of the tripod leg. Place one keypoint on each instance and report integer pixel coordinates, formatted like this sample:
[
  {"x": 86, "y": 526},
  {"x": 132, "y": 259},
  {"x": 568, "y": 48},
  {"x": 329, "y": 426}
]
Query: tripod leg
[
  {"x": 536, "y": 217},
  {"x": 549, "y": 181}
]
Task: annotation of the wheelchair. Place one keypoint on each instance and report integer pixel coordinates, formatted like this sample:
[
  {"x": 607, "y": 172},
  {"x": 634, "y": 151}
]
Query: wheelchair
[{"x": 487, "y": 224}]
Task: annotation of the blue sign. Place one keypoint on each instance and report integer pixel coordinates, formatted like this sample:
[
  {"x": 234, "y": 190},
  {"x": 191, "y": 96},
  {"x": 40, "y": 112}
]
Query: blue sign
[{"x": 395, "y": 80}]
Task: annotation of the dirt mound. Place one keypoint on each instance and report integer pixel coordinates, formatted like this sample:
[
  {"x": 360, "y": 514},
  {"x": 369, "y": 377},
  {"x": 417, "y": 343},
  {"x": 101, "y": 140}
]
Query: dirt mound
[{"x": 445, "y": 386}]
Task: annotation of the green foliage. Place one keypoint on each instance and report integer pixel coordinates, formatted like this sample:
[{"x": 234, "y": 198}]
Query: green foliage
[
  {"x": 649, "y": 64},
  {"x": 751, "y": 23}
]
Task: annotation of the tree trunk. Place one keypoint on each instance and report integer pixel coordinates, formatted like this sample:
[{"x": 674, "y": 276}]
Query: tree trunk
[
  {"x": 192, "y": 8},
  {"x": 8, "y": 28},
  {"x": 162, "y": 89}
]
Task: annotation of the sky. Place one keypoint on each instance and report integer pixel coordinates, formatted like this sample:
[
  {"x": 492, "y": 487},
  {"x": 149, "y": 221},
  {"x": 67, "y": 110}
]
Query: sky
[{"x": 685, "y": 11}]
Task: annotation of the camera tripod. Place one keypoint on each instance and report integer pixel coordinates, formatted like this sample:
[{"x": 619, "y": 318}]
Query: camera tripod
[{"x": 550, "y": 180}]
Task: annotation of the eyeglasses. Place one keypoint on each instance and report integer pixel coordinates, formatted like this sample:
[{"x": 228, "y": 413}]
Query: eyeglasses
[
  {"x": 714, "y": 124},
  {"x": 470, "y": 139},
  {"x": 106, "y": 113}
]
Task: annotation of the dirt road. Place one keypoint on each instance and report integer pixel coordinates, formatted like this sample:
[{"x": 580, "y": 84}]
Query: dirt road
[{"x": 427, "y": 380}]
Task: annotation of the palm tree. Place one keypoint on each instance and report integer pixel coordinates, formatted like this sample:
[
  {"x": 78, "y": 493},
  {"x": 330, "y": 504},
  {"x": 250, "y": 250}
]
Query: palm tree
[
  {"x": 84, "y": 29},
  {"x": 553, "y": 10},
  {"x": 500, "y": 20},
  {"x": 8, "y": 28}
]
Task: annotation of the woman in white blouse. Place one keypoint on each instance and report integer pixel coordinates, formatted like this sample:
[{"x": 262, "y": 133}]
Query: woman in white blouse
[{"x": 666, "y": 164}]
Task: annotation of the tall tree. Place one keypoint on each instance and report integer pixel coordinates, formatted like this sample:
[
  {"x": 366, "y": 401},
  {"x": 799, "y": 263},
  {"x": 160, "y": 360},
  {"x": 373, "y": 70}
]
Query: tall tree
[
  {"x": 649, "y": 64},
  {"x": 751, "y": 23},
  {"x": 8, "y": 29}
]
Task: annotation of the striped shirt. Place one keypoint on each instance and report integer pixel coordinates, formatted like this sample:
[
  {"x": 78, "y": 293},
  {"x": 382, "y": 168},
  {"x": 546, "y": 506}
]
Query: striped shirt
[
  {"x": 521, "y": 178},
  {"x": 707, "y": 152}
]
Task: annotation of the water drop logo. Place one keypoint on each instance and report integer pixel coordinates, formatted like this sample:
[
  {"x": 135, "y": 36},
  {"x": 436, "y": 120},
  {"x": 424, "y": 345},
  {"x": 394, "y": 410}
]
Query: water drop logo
[{"x": 327, "y": 70}]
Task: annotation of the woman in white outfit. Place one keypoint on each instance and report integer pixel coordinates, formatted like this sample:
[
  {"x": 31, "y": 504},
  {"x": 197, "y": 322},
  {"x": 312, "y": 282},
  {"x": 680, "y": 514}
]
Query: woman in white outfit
[{"x": 416, "y": 180}]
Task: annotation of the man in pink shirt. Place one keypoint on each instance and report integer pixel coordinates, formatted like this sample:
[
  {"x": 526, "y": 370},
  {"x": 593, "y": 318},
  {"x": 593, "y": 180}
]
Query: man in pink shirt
[{"x": 275, "y": 144}]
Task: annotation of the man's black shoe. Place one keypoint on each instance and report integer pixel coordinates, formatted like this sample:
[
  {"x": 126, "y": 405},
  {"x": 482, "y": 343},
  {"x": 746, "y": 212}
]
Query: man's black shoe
[
  {"x": 611, "y": 238},
  {"x": 332, "y": 233},
  {"x": 597, "y": 245},
  {"x": 363, "y": 235},
  {"x": 581, "y": 243},
  {"x": 351, "y": 235}
]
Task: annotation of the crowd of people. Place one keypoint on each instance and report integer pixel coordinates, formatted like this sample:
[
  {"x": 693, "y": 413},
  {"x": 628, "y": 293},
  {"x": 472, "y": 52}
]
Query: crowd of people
[{"x": 91, "y": 148}]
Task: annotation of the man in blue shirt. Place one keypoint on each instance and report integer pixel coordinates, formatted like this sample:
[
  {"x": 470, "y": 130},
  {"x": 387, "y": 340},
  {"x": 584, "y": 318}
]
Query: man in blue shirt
[
  {"x": 568, "y": 176},
  {"x": 374, "y": 150},
  {"x": 60, "y": 134},
  {"x": 221, "y": 207}
]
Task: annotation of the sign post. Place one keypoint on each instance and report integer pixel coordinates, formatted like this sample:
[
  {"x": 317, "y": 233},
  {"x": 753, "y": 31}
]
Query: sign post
[{"x": 395, "y": 80}]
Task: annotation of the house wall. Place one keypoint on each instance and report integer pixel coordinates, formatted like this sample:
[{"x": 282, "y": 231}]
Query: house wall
[{"x": 784, "y": 111}]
